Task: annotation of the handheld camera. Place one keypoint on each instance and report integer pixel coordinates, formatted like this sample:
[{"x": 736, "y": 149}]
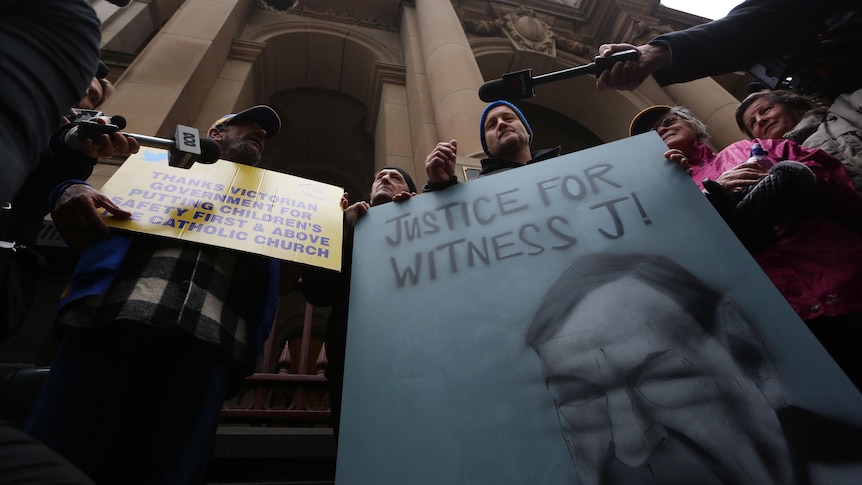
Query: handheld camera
[{"x": 89, "y": 129}]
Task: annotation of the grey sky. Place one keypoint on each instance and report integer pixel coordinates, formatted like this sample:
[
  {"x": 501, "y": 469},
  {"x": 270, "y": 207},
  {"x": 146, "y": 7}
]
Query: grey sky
[{"x": 711, "y": 9}]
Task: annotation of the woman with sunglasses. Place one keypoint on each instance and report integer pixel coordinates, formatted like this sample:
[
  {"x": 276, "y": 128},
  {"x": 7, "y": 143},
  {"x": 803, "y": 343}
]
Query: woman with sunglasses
[{"x": 685, "y": 136}]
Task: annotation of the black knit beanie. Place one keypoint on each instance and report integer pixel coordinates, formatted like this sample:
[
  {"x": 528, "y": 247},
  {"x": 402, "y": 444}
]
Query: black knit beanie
[{"x": 407, "y": 177}]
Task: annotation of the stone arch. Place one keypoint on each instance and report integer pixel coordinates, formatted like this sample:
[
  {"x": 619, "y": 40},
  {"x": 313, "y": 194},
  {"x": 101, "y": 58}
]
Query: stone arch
[
  {"x": 325, "y": 140},
  {"x": 326, "y": 81},
  {"x": 300, "y": 54}
]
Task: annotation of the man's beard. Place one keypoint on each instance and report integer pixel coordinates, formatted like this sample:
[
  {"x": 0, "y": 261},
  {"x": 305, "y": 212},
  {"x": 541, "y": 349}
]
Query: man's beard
[
  {"x": 242, "y": 152},
  {"x": 510, "y": 147}
]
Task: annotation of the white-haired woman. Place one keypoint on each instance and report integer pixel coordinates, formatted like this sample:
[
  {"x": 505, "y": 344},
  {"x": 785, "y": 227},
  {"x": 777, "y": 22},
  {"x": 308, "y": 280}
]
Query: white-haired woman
[{"x": 685, "y": 136}]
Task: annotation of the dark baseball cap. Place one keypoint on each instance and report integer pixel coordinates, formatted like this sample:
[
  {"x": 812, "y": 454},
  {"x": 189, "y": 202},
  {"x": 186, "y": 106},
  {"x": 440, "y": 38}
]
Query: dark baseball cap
[{"x": 261, "y": 114}]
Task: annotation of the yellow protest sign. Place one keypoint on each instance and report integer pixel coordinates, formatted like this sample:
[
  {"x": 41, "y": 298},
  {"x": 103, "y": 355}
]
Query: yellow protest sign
[{"x": 230, "y": 205}]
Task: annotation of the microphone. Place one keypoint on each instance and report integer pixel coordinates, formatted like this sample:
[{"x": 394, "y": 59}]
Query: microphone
[
  {"x": 186, "y": 148},
  {"x": 183, "y": 154},
  {"x": 120, "y": 3},
  {"x": 520, "y": 84}
]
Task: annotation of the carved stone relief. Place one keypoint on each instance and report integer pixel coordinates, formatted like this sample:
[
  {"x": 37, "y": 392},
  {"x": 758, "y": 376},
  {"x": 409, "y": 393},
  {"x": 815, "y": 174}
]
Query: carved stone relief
[
  {"x": 576, "y": 47},
  {"x": 294, "y": 7},
  {"x": 643, "y": 30},
  {"x": 530, "y": 33}
]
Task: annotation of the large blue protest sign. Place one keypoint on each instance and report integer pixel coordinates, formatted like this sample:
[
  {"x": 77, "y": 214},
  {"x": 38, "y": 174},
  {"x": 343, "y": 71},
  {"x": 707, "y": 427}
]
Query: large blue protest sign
[{"x": 588, "y": 319}]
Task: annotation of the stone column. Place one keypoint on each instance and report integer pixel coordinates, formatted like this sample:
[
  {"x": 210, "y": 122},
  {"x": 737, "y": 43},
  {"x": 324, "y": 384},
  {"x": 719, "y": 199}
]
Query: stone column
[
  {"x": 171, "y": 79},
  {"x": 452, "y": 73},
  {"x": 392, "y": 139},
  {"x": 233, "y": 89}
]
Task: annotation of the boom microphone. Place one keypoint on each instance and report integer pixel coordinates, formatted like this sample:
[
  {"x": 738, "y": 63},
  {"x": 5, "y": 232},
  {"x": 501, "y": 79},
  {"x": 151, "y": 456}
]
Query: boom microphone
[{"x": 519, "y": 85}]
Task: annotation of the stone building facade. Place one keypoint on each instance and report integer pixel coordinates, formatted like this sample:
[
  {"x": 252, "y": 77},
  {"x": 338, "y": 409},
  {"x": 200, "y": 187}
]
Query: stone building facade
[
  {"x": 359, "y": 84},
  {"x": 365, "y": 84},
  {"x": 362, "y": 85}
]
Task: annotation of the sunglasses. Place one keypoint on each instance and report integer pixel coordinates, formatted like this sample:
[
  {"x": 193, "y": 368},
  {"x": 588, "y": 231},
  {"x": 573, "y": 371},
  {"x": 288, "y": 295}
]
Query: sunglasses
[{"x": 666, "y": 122}]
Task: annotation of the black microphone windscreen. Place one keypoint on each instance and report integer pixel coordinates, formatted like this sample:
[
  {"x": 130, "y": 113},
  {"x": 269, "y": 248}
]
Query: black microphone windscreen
[
  {"x": 492, "y": 91},
  {"x": 119, "y": 121},
  {"x": 210, "y": 151},
  {"x": 120, "y": 3}
]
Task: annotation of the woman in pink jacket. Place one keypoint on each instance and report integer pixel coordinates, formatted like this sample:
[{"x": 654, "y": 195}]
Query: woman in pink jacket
[{"x": 798, "y": 213}]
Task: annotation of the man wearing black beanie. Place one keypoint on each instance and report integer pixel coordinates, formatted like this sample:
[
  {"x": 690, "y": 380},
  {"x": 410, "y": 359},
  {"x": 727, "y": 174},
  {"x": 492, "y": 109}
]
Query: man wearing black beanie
[
  {"x": 322, "y": 287},
  {"x": 389, "y": 183}
]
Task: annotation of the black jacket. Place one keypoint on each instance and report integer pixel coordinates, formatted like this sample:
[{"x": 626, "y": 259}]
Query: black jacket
[
  {"x": 755, "y": 31},
  {"x": 494, "y": 165},
  {"x": 57, "y": 163}
]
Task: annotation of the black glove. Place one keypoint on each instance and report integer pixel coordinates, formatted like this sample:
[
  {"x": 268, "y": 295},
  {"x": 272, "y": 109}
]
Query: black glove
[
  {"x": 786, "y": 189},
  {"x": 721, "y": 199},
  {"x": 753, "y": 213}
]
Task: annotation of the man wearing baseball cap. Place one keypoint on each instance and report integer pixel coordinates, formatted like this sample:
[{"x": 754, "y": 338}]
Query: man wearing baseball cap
[
  {"x": 506, "y": 137},
  {"x": 242, "y": 134},
  {"x": 157, "y": 334}
]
